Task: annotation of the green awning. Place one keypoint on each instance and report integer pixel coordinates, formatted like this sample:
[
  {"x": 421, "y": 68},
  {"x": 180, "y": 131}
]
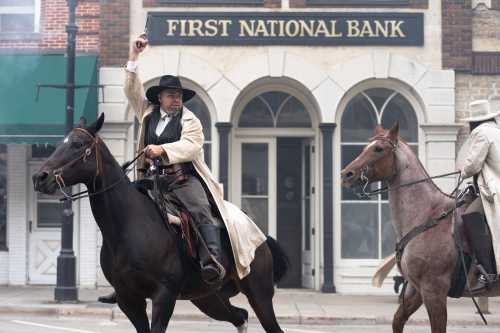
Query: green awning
[{"x": 23, "y": 119}]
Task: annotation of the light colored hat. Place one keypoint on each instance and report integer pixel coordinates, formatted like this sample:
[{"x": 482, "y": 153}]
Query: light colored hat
[{"x": 481, "y": 110}]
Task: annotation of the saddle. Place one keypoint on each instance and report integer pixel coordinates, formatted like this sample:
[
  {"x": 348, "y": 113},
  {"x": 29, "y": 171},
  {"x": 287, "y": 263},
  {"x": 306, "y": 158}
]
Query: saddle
[{"x": 174, "y": 214}]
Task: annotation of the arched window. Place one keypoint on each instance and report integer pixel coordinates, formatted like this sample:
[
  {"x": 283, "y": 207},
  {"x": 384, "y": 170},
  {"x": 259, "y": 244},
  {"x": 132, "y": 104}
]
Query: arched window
[
  {"x": 200, "y": 109},
  {"x": 367, "y": 232},
  {"x": 274, "y": 109}
]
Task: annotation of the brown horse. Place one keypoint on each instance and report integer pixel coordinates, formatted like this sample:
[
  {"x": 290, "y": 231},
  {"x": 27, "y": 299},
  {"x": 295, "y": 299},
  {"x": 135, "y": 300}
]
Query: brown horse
[{"x": 428, "y": 261}]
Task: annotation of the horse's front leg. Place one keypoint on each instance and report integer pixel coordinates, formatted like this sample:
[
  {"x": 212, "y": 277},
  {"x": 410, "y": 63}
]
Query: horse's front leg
[
  {"x": 163, "y": 307},
  {"x": 134, "y": 308}
]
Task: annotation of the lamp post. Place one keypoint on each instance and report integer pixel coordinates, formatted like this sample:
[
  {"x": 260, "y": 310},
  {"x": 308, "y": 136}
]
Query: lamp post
[{"x": 66, "y": 290}]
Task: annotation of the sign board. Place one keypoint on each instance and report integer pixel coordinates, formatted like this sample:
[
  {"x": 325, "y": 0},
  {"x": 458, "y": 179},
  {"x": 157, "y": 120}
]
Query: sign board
[{"x": 250, "y": 28}]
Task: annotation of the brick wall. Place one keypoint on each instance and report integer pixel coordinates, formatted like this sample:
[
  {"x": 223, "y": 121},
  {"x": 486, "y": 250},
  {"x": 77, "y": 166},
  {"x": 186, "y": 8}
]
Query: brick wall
[
  {"x": 53, "y": 19},
  {"x": 457, "y": 34},
  {"x": 411, "y": 4},
  {"x": 469, "y": 88},
  {"x": 115, "y": 31}
]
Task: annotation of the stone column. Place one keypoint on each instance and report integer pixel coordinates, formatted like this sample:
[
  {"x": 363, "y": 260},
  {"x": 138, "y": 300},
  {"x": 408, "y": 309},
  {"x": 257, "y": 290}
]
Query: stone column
[
  {"x": 327, "y": 134},
  {"x": 224, "y": 128}
]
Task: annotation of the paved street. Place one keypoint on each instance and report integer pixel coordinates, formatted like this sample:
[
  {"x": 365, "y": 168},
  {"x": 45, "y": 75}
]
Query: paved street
[{"x": 37, "y": 324}]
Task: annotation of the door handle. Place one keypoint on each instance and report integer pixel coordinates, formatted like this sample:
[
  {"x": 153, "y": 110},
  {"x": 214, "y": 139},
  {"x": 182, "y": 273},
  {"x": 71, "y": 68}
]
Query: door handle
[{"x": 30, "y": 226}]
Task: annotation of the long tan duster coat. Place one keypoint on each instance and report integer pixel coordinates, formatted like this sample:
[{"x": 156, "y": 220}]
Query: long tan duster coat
[
  {"x": 244, "y": 234},
  {"x": 483, "y": 159}
]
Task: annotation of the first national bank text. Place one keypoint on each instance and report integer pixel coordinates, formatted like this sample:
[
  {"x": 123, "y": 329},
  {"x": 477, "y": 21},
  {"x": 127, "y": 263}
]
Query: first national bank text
[{"x": 342, "y": 29}]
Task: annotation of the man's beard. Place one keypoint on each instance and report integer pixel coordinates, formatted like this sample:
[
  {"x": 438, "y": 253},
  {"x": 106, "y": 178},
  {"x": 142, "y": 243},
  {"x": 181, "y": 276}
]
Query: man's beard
[{"x": 173, "y": 110}]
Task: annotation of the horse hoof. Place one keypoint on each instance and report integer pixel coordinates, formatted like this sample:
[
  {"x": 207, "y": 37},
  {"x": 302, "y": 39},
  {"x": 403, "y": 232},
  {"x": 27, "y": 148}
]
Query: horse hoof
[{"x": 243, "y": 328}]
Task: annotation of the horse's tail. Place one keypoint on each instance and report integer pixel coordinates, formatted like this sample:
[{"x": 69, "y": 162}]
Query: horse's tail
[{"x": 281, "y": 263}]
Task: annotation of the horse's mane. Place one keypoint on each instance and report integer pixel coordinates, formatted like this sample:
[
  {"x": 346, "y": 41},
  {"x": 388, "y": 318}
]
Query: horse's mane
[{"x": 410, "y": 151}]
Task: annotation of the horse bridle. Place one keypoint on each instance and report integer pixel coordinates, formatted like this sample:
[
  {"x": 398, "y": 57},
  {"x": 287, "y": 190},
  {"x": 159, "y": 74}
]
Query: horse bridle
[
  {"x": 87, "y": 152},
  {"x": 365, "y": 181}
]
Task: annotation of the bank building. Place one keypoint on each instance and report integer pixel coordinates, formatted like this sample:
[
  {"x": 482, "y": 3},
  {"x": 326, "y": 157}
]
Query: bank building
[{"x": 288, "y": 92}]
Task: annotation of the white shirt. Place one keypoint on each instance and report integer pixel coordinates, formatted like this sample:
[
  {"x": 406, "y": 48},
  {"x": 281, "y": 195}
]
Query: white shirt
[{"x": 162, "y": 123}]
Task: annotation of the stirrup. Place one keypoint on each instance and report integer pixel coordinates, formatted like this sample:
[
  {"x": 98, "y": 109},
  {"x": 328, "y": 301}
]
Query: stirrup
[{"x": 219, "y": 271}]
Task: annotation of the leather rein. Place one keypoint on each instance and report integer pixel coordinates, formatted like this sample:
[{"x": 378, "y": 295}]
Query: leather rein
[{"x": 87, "y": 152}]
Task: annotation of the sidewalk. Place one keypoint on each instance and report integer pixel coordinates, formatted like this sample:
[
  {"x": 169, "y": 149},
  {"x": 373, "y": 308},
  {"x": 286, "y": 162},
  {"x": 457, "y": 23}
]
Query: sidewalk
[{"x": 292, "y": 307}]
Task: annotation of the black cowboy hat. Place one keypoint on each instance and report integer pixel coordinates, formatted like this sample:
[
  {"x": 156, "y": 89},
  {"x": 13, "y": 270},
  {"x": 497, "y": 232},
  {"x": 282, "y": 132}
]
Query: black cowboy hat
[{"x": 168, "y": 82}]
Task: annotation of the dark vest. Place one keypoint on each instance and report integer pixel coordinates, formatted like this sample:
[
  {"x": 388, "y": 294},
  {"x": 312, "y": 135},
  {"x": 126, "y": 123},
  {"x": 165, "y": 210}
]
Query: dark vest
[{"x": 171, "y": 133}]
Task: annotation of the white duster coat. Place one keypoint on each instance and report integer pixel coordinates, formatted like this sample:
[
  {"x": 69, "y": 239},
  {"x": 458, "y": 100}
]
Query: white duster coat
[
  {"x": 244, "y": 234},
  {"x": 483, "y": 158}
]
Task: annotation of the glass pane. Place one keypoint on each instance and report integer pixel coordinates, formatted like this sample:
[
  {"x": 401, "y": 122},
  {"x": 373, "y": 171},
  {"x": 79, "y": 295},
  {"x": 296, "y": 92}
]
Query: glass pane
[
  {"x": 293, "y": 114},
  {"x": 207, "y": 151},
  {"x": 256, "y": 208},
  {"x": 256, "y": 114},
  {"x": 379, "y": 96},
  {"x": 388, "y": 234},
  {"x": 199, "y": 108},
  {"x": 399, "y": 109},
  {"x": 275, "y": 99},
  {"x": 254, "y": 164},
  {"x": 42, "y": 151},
  {"x": 359, "y": 230},
  {"x": 49, "y": 214},
  {"x": 358, "y": 121},
  {"x": 349, "y": 153},
  {"x": 17, "y": 23},
  {"x": 3, "y": 196},
  {"x": 17, "y": 2}
]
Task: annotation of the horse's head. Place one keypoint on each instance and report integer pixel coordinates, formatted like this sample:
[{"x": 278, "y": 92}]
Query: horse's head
[
  {"x": 376, "y": 162},
  {"x": 75, "y": 160}
]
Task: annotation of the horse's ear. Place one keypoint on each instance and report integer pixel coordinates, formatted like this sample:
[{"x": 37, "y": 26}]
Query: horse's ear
[
  {"x": 379, "y": 130},
  {"x": 394, "y": 132},
  {"x": 95, "y": 127}
]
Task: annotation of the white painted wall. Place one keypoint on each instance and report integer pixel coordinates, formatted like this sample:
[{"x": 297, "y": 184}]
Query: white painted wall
[{"x": 17, "y": 232}]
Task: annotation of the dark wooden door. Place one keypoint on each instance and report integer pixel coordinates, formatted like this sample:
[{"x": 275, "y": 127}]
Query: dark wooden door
[{"x": 289, "y": 219}]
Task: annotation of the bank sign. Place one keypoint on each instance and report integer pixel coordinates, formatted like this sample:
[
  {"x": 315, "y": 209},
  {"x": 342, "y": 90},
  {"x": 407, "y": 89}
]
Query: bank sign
[{"x": 192, "y": 28}]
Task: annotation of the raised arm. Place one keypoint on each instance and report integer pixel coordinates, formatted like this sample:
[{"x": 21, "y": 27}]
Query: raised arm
[{"x": 134, "y": 91}]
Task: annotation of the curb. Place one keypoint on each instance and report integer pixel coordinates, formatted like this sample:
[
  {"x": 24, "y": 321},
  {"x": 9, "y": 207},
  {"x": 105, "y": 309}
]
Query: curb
[{"x": 114, "y": 313}]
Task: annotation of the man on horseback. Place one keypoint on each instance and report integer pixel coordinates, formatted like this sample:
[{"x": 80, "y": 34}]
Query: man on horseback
[
  {"x": 483, "y": 163},
  {"x": 174, "y": 135}
]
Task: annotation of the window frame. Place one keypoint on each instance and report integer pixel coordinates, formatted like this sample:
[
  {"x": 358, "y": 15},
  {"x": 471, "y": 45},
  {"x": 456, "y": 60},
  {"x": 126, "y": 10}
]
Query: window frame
[
  {"x": 367, "y": 3},
  {"x": 35, "y": 10},
  {"x": 213, "y": 2},
  {"x": 4, "y": 247},
  {"x": 379, "y": 201}
]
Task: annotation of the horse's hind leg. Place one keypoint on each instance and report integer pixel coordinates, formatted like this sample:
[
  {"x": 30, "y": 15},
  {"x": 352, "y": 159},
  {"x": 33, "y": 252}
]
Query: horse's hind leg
[
  {"x": 135, "y": 310},
  {"x": 218, "y": 307},
  {"x": 411, "y": 302},
  {"x": 258, "y": 286}
]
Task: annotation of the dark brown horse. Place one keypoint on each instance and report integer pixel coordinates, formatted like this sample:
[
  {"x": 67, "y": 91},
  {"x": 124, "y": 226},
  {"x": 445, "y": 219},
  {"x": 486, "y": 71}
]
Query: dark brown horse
[
  {"x": 429, "y": 259},
  {"x": 141, "y": 257}
]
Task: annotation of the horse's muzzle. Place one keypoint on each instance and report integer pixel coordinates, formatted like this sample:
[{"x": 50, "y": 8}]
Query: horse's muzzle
[
  {"x": 44, "y": 182},
  {"x": 349, "y": 178}
]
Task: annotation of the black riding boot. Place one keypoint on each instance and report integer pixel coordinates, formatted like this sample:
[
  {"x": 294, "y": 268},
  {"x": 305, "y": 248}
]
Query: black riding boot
[
  {"x": 479, "y": 239},
  {"x": 108, "y": 299},
  {"x": 212, "y": 271}
]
